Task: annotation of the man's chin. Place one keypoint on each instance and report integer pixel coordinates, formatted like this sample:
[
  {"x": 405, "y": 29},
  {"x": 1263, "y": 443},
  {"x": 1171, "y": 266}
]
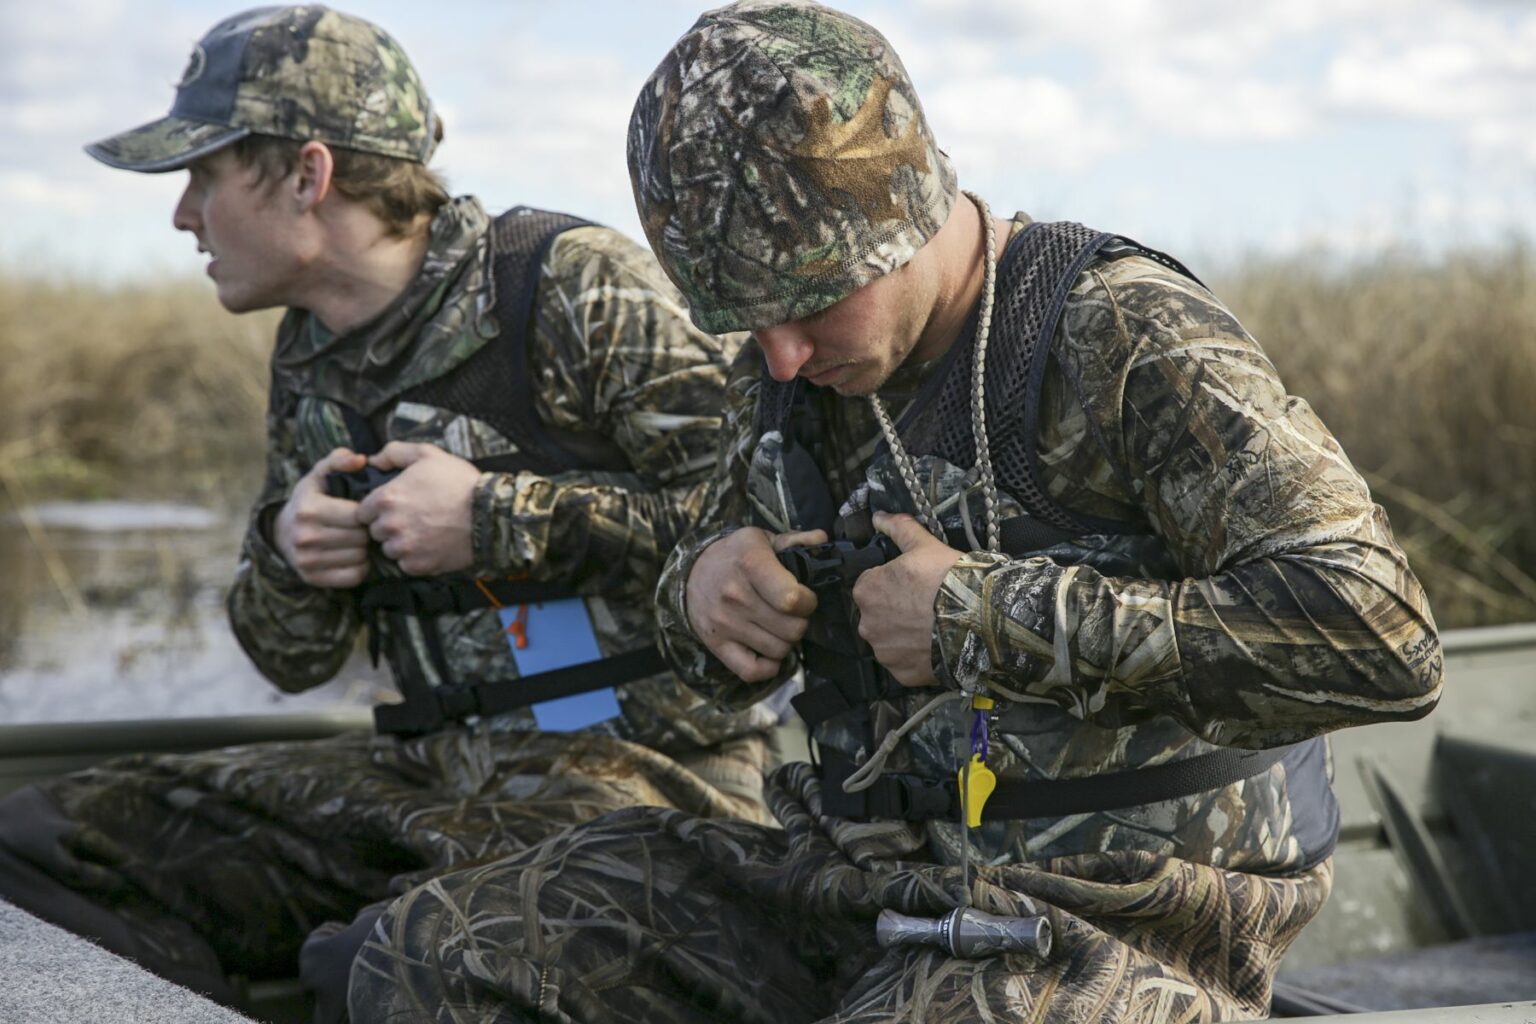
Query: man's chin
[
  {"x": 860, "y": 384},
  {"x": 853, "y": 389},
  {"x": 234, "y": 302}
]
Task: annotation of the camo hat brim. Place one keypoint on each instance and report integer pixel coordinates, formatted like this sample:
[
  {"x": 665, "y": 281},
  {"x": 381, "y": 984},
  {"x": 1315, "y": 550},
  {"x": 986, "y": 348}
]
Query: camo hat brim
[
  {"x": 780, "y": 161},
  {"x": 298, "y": 73},
  {"x": 168, "y": 144}
]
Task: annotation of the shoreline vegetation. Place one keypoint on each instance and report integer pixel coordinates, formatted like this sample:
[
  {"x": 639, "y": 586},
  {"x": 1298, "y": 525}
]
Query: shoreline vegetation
[{"x": 1424, "y": 369}]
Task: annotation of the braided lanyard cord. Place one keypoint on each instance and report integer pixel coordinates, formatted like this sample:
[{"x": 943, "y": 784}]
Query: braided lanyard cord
[
  {"x": 930, "y": 520},
  {"x": 904, "y": 464}
]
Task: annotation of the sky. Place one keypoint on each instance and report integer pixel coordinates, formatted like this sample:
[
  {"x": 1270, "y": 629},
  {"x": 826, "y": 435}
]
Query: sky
[{"x": 1211, "y": 129}]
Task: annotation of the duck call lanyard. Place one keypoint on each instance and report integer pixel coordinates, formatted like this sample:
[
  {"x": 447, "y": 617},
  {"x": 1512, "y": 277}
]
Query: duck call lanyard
[{"x": 975, "y": 779}]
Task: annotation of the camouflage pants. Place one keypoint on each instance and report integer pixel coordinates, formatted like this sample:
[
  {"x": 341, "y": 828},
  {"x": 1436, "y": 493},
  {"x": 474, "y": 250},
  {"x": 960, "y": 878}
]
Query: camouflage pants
[
  {"x": 658, "y": 917},
  {"x": 247, "y": 849}
]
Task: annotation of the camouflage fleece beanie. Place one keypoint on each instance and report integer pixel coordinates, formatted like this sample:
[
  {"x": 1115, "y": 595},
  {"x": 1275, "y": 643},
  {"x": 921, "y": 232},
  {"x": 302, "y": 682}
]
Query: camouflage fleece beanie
[{"x": 780, "y": 161}]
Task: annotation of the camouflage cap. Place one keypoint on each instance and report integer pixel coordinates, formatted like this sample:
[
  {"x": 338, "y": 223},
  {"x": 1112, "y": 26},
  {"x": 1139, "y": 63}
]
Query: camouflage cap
[
  {"x": 780, "y": 161},
  {"x": 294, "y": 72}
]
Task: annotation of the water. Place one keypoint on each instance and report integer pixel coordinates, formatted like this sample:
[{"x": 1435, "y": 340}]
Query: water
[{"x": 130, "y": 621}]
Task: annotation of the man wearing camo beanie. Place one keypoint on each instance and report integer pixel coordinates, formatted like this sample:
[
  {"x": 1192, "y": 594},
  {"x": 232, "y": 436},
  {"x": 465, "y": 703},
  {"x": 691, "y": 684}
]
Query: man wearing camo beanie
[{"x": 1116, "y": 586}]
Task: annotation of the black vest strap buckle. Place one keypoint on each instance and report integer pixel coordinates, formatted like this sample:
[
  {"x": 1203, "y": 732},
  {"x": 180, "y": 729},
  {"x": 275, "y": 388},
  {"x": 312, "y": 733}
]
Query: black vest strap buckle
[
  {"x": 893, "y": 795},
  {"x": 910, "y": 798}
]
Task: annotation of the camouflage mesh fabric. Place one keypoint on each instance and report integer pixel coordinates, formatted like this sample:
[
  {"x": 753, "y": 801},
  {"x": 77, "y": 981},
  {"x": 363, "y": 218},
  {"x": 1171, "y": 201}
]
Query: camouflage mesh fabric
[
  {"x": 780, "y": 160},
  {"x": 654, "y": 917},
  {"x": 302, "y": 73}
]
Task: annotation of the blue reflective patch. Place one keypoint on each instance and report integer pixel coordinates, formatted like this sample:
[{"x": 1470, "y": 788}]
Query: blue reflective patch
[{"x": 559, "y": 634}]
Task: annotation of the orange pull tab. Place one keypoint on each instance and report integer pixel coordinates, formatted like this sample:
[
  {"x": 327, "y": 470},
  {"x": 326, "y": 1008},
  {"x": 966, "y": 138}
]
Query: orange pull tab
[{"x": 519, "y": 627}]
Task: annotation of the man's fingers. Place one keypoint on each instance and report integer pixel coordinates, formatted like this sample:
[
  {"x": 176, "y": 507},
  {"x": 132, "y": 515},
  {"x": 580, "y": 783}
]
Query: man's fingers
[
  {"x": 338, "y": 558},
  {"x": 324, "y": 513},
  {"x": 763, "y": 642},
  {"x": 399, "y": 454},
  {"x": 369, "y": 509},
  {"x": 776, "y": 587},
  {"x": 337, "y": 579},
  {"x": 804, "y": 538},
  {"x": 748, "y": 665}
]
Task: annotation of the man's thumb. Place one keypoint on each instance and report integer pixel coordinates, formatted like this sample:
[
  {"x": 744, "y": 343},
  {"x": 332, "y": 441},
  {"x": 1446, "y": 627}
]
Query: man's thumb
[{"x": 905, "y": 530}]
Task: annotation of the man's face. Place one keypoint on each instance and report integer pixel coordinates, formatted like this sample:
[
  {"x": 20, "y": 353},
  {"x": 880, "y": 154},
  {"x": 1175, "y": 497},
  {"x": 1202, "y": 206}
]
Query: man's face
[
  {"x": 854, "y": 345},
  {"x": 247, "y": 230}
]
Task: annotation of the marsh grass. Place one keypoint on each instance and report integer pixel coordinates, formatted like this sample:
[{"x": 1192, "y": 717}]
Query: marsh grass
[
  {"x": 1425, "y": 369},
  {"x": 1426, "y": 372},
  {"x": 136, "y": 391}
]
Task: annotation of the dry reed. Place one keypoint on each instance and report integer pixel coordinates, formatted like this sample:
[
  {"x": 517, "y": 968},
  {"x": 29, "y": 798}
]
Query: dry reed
[
  {"x": 148, "y": 390},
  {"x": 1426, "y": 371}
]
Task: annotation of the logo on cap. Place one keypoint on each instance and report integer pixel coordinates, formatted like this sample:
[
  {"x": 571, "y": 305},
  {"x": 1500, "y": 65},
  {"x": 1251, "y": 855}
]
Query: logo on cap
[{"x": 196, "y": 65}]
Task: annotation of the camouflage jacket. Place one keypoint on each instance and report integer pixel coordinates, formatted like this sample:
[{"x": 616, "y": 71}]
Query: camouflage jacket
[
  {"x": 612, "y": 350},
  {"x": 1261, "y": 601}
]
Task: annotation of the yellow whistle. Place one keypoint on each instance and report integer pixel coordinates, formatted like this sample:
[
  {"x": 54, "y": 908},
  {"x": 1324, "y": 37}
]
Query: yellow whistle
[{"x": 982, "y": 782}]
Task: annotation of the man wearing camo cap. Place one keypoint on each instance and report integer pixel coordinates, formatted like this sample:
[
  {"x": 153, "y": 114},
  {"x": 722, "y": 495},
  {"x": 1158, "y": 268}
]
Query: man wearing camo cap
[
  {"x": 524, "y": 532},
  {"x": 1127, "y": 586}
]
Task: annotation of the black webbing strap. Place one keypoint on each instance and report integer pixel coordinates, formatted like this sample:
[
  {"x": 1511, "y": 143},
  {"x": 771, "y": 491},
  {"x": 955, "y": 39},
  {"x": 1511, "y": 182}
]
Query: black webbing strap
[
  {"x": 453, "y": 702},
  {"x": 912, "y": 798},
  {"x": 837, "y": 682},
  {"x": 1019, "y": 536},
  {"x": 426, "y": 595}
]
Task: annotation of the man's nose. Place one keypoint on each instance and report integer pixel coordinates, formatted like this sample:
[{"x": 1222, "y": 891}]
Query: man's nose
[
  {"x": 785, "y": 348},
  {"x": 184, "y": 217}
]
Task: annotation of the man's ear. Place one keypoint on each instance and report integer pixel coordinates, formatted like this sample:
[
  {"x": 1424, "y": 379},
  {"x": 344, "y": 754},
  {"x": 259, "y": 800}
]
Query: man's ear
[{"x": 312, "y": 177}]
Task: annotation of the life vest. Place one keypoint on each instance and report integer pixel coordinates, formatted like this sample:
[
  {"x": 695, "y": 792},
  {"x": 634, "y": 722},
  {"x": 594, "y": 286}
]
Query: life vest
[
  {"x": 842, "y": 677},
  {"x": 493, "y": 385}
]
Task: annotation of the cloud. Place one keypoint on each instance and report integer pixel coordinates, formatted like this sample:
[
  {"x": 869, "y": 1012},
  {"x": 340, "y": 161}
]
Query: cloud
[
  {"x": 34, "y": 190},
  {"x": 548, "y": 123},
  {"x": 1181, "y": 103},
  {"x": 1210, "y": 70},
  {"x": 1473, "y": 70},
  {"x": 991, "y": 122}
]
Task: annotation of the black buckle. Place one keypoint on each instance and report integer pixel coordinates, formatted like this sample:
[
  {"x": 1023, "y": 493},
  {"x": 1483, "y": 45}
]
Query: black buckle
[{"x": 910, "y": 798}]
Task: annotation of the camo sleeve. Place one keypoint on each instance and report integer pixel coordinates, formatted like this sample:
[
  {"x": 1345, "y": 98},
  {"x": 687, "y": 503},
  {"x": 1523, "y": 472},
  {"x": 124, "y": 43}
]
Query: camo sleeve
[
  {"x": 612, "y": 348},
  {"x": 297, "y": 635},
  {"x": 725, "y": 506},
  {"x": 1297, "y": 613}
]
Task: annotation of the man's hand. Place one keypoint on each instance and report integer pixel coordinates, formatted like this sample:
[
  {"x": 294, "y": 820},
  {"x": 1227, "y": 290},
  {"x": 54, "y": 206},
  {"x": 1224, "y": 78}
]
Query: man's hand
[
  {"x": 745, "y": 606},
  {"x": 321, "y": 536},
  {"x": 895, "y": 600},
  {"x": 421, "y": 518}
]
